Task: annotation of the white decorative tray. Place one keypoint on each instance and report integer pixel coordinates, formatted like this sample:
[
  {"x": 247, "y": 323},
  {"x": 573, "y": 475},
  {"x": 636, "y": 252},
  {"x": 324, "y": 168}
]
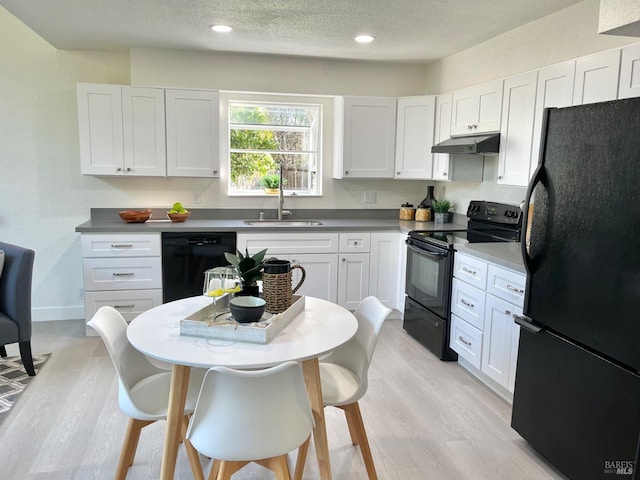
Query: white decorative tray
[{"x": 226, "y": 328}]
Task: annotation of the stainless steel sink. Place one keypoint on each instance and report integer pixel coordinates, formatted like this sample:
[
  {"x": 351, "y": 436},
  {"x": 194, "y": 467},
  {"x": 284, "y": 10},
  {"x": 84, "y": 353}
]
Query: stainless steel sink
[{"x": 283, "y": 223}]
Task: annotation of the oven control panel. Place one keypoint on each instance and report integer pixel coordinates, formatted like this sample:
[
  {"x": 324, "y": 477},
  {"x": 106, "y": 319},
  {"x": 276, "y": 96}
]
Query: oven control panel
[{"x": 500, "y": 213}]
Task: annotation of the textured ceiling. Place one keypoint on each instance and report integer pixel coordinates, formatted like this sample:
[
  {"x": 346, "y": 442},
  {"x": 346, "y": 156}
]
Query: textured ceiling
[{"x": 406, "y": 30}]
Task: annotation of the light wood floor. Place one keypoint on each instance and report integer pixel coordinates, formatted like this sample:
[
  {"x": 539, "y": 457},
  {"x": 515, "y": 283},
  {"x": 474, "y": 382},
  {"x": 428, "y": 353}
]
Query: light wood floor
[{"x": 426, "y": 420}]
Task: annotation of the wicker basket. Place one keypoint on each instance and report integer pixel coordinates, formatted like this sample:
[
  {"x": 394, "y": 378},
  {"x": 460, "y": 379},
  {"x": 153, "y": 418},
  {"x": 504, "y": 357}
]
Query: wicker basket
[{"x": 277, "y": 291}]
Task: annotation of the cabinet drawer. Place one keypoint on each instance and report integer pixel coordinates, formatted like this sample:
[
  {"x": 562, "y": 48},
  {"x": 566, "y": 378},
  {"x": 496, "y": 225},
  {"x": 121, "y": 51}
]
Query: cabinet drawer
[
  {"x": 129, "y": 303},
  {"x": 507, "y": 285},
  {"x": 468, "y": 303},
  {"x": 466, "y": 341},
  {"x": 125, "y": 245},
  {"x": 122, "y": 273},
  {"x": 355, "y": 242},
  {"x": 286, "y": 244},
  {"x": 471, "y": 270}
]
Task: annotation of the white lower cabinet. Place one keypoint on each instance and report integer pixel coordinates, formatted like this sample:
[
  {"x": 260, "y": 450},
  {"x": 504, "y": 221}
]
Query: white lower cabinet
[
  {"x": 340, "y": 267},
  {"x": 483, "y": 332},
  {"x": 121, "y": 271}
]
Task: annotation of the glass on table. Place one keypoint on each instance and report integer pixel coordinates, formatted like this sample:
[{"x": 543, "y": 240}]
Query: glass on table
[{"x": 220, "y": 281}]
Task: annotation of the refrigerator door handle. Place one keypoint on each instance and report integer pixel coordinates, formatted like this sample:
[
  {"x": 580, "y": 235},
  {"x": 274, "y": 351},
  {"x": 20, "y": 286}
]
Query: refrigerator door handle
[{"x": 526, "y": 323}]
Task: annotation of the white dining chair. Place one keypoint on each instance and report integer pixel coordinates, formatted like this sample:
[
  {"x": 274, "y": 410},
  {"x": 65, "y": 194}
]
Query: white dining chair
[
  {"x": 343, "y": 374},
  {"x": 245, "y": 416},
  {"x": 143, "y": 392}
]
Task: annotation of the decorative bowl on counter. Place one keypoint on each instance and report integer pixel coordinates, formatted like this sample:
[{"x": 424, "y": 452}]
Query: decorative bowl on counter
[
  {"x": 135, "y": 216},
  {"x": 178, "y": 217}
]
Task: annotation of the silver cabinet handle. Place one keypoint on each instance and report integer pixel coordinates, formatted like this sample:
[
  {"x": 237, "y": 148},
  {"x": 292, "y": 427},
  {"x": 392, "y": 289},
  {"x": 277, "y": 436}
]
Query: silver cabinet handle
[
  {"x": 121, "y": 245},
  {"x": 118, "y": 169},
  {"x": 468, "y": 344},
  {"x": 125, "y": 274},
  {"x": 128, "y": 169},
  {"x": 346, "y": 172},
  {"x": 123, "y": 306},
  {"x": 464, "y": 302},
  {"x": 444, "y": 174},
  {"x": 468, "y": 270},
  {"x": 514, "y": 289},
  {"x": 344, "y": 259}
]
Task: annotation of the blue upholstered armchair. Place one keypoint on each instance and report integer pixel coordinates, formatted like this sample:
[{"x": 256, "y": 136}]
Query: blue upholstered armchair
[{"x": 15, "y": 302}]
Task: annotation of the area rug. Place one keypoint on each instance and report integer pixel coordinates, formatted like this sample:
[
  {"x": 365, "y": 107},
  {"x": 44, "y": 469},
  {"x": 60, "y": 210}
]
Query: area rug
[{"x": 13, "y": 380}]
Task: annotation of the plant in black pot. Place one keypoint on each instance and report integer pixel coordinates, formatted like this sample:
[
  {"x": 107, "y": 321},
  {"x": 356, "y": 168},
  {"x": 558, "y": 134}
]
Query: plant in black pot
[
  {"x": 441, "y": 208},
  {"x": 249, "y": 269}
]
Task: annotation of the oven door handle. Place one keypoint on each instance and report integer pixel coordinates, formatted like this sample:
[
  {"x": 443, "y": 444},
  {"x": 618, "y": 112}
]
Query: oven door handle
[{"x": 425, "y": 252}]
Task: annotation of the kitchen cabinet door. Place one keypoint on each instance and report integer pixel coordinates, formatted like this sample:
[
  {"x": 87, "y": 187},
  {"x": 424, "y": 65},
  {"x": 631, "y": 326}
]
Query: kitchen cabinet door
[
  {"x": 353, "y": 279},
  {"x": 100, "y": 129},
  {"x": 387, "y": 267},
  {"x": 442, "y": 132},
  {"x": 414, "y": 137},
  {"x": 597, "y": 78},
  {"x": 322, "y": 275},
  {"x": 516, "y": 132},
  {"x": 497, "y": 340},
  {"x": 477, "y": 109},
  {"x": 192, "y": 119},
  {"x": 555, "y": 89},
  {"x": 365, "y": 131},
  {"x": 630, "y": 72},
  {"x": 143, "y": 122}
]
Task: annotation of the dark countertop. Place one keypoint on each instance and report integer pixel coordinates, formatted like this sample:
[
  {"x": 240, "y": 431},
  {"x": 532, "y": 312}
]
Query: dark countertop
[
  {"x": 106, "y": 220},
  {"x": 507, "y": 254}
]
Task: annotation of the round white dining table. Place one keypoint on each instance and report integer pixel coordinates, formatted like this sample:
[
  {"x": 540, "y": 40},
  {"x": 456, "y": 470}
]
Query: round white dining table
[{"x": 318, "y": 329}]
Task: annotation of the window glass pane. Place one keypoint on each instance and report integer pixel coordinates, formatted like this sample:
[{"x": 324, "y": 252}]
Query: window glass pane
[{"x": 265, "y": 137}]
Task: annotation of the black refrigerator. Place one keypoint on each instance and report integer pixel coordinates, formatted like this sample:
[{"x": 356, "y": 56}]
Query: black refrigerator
[{"x": 577, "y": 390}]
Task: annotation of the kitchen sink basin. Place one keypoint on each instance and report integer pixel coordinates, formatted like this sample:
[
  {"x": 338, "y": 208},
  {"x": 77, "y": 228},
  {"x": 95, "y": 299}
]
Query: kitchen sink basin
[{"x": 283, "y": 223}]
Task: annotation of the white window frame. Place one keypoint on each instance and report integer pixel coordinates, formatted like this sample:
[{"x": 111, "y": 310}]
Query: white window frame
[{"x": 233, "y": 97}]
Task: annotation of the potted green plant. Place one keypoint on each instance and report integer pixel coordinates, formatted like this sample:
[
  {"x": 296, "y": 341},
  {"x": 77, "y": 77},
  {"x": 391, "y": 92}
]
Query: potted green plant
[
  {"x": 441, "y": 208},
  {"x": 271, "y": 183},
  {"x": 249, "y": 269}
]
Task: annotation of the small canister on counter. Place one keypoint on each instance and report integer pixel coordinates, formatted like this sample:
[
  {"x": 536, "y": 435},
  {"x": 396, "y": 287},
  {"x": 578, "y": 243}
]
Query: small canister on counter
[
  {"x": 423, "y": 215},
  {"x": 407, "y": 211}
]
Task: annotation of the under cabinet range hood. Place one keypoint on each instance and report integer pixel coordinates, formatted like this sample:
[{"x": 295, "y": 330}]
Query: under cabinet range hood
[{"x": 478, "y": 144}]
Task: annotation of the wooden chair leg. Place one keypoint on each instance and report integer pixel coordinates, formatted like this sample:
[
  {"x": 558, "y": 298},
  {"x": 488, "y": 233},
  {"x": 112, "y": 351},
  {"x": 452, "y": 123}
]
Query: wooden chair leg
[
  {"x": 227, "y": 469},
  {"x": 301, "y": 460},
  {"x": 27, "y": 359},
  {"x": 215, "y": 468},
  {"x": 354, "y": 411},
  {"x": 3, "y": 351},
  {"x": 129, "y": 446},
  {"x": 192, "y": 453},
  {"x": 278, "y": 465},
  {"x": 348, "y": 415}
]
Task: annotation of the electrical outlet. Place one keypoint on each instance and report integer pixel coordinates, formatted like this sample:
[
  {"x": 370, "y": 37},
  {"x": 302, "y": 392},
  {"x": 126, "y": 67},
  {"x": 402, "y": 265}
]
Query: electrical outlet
[
  {"x": 369, "y": 197},
  {"x": 197, "y": 197},
  {"x": 81, "y": 293}
]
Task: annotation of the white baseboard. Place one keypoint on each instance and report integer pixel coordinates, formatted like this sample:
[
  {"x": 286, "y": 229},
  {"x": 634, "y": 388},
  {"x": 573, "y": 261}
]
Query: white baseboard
[{"x": 48, "y": 314}]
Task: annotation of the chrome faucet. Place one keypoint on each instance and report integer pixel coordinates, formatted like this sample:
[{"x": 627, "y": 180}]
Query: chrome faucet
[{"x": 281, "y": 212}]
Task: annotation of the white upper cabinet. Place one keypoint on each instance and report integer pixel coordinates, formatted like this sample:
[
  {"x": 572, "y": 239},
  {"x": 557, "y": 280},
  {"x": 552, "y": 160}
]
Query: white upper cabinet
[
  {"x": 516, "y": 133},
  {"x": 442, "y": 132},
  {"x": 477, "y": 109},
  {"x": 100, "y": 129},
  {"x": 414, "y": 137},
  {"x": 365, "y": 131},
  {"x": 630, "y": 72},
  {"x": 555, "y": 89},
  {"x": 597, "y": 78},
  {"x": 193, "y": 133},
  {"x": 143, "y": 131},
  {"x": 121, "y": 130}
]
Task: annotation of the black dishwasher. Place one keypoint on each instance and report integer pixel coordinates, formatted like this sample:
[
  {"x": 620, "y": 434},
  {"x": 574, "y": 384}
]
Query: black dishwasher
[{"x": 186, "y": 256}]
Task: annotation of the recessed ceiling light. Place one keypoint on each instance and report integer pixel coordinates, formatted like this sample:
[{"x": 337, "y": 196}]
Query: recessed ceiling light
[
  {"x": 365, "y": 38},
  {"x": 221, "y": 28}
]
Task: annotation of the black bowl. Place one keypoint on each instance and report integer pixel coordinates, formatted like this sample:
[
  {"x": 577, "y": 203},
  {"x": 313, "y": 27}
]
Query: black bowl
[{"x": 247, "y": 309}]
